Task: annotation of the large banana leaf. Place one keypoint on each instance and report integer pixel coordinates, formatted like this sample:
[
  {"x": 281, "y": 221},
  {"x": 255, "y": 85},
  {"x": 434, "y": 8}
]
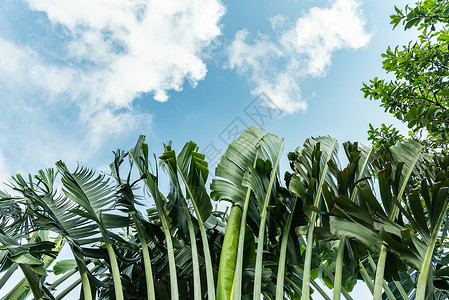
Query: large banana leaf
[
  {"x": 228, "y": 186},
  {"x": 229, "y": 173},
  {"x": 241, "y": 171},
  {"x": 312, "y": 169},
  {"x": 358, "y": 170},
  {"x": 263, "y": 181},
  {"x": 404, "y": 159}
]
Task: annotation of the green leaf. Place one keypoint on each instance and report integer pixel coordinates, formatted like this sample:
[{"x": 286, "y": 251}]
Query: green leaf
[
  {"x": 64, "y": 266},
  {"x": 229, "y": 173},
  {"x": 26, "y": 258},
  {"x": 342, "y": 227}
]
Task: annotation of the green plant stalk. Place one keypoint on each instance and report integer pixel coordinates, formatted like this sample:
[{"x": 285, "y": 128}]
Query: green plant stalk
[
  {"x": 341, "y": 248},
  {"x": 170, "y": 253},
  {"x": 206, "y": 250},
  {"x": 35, "y": 290},
  {"x": 308, "y": 256},
  {"x": 146, "y": 259},
  {"x": 384, "y": 284},
  {"x": 114, "y": 267},
  {"x": 261, "y": 237},
  {"x": 195, "y": 262},
  {"x": 74, "y": 284},
  {"x": 339, "y": 269},
  {"x": 282, "y": 255},
  {"x": 84, "y": 279},
  {"x": 87, "y": 290},
  {"x": 236, "y": 292},
  {"x": 427, "y": 263},
  {"x": 380, "y": 269},
  {"x": 208, "y": 261},
  {"x": 86, "y": 286},
  {"x": 366, "y": 278}
]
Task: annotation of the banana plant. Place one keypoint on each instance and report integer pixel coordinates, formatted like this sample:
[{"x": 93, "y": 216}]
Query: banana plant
[
  {"x": 263, "y": 181},
  {"x": 139, "y": 156},
  {"x": 423, "y": 206},
  {"x": 127, "y": 199},
  {"x": 404, "y": 157},
  {"x": 33, "y": 258},
  {"x": 247, "y": 176},
  {"x": 191, "y": 168},
  {"x": 434, "y": 191},
  {"x": 311, "y": 172},
  {"x": 228, "y": 186},
  {"x": 358, "y": 170},
  {"x": 343, "y": 182}
]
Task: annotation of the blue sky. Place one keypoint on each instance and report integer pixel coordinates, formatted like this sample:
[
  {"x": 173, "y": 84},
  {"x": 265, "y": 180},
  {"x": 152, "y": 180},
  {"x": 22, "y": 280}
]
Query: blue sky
[{"x": 79, "y": 79}]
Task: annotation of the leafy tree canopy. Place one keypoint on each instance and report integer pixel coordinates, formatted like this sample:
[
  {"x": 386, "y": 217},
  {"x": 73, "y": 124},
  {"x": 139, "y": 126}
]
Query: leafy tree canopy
[
  {"x": 419, "y": 94},
  {"x": 384, "y": 136}
]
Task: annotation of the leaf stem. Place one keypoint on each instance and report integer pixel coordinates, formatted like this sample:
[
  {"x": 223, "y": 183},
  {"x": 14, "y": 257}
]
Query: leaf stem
[
  {"x": 282, "y": 255},
  {"x": 339, "y": 268},
  {"x": 146, "y": 259}
]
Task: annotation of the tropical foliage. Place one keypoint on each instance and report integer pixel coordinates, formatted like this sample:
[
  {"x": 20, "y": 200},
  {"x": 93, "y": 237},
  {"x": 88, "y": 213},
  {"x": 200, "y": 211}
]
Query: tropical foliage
[{"x": 381, "y": 219}]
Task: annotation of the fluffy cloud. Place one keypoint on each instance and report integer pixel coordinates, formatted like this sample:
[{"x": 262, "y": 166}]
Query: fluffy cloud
[
  {"x": 68, "y": 99},
  {"x": 136, "y": 46},
  {"x": 277, "y": 66}
]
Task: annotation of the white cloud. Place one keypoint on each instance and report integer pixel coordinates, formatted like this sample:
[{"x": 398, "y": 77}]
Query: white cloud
[
  {"x": 105, "y": 124},
  {"x": 70, "y": 99},
  {"x": 136, "y": 46},
  {"x": 276, "y": 66},
  {"x": 278, "y": 21},
  {"x": 22, "y": 67}
]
